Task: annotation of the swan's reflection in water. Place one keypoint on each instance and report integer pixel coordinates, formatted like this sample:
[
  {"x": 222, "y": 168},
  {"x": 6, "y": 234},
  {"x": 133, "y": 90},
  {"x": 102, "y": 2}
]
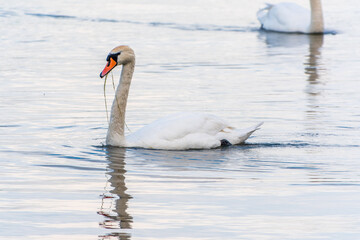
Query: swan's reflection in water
[
  {"x": 115, "y": 200},
  {"x": 313, "y": 68},
  {"x": 314, "y": 71},
  {"x": 171, "y": 167},
  {"x": 286, "y": 40}
]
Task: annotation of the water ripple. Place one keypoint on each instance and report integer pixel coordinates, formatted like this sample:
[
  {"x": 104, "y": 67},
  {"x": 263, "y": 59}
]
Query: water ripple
[
  {"x": 71, "y": 167},
  {"x": 10, "y": 126},
  {"x": 4, "y": 13},
  {"x": 295, "y": 145},
  {"x": 51, "y": 15},
  {"x": 58, "y": 155},
  {"x": 184, "y": 27}
]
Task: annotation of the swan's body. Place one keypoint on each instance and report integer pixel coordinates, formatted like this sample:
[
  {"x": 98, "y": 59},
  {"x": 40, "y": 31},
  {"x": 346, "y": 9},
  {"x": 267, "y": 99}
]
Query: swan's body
[
  {"x": 187, "y": 130},
  {"x": 290, "y": 17},
  {"x": 175, "y": 132}
]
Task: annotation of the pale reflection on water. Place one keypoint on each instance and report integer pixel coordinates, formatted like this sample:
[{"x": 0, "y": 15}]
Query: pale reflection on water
[
  {"x": 313, "y": 65},
  {"x": 315, "y": 70},
  {"x": 114, "y": 206},
  {"x": 241, "y": 190}
]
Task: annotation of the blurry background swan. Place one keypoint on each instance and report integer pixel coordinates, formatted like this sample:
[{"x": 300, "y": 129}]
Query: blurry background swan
[{"x": 293, "y": 18}]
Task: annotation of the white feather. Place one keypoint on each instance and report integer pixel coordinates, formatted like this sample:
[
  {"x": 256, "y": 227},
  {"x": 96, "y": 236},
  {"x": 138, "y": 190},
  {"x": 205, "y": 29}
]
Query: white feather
[
  {"x": 289, "y": 17},
  {"x": 187, "y": 130}
]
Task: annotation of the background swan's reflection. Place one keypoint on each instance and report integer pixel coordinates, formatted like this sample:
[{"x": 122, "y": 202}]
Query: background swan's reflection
[
  {"x": 308, "y": 48},
  {"x": 115, "y": 200},
  {"x": 291, "y": 42},
  {"x": 312, "y": 65},
  {"x": 314, "y": 69}
]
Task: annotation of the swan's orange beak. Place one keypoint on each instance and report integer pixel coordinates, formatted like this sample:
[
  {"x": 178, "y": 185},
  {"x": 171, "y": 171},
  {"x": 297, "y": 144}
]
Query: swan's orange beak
[{"x": 109, "y": 66}]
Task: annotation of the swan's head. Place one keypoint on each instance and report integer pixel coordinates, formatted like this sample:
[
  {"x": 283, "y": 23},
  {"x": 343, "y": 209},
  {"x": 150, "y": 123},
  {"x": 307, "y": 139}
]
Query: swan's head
[{"x": 120, "y": 55}]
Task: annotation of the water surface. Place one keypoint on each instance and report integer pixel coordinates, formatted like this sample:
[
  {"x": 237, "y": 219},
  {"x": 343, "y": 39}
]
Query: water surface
[{"x": 296, "y": 178}]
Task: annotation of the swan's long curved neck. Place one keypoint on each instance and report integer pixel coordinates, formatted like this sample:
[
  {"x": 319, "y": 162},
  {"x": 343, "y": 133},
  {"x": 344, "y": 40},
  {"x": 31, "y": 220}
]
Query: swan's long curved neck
[
  {"x": 115, "y": 134},
  {"x": 317, "y": 19}
]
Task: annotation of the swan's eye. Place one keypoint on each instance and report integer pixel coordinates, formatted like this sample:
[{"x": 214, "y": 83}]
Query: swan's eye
[{"x": 114, "y": 56}]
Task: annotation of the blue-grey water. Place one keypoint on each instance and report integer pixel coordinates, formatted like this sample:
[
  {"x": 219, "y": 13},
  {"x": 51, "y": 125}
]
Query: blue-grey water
[{"x": 296, "y": 178}]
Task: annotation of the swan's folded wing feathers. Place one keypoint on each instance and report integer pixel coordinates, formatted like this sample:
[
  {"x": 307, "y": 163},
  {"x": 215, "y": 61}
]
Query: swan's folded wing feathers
[
  {"x": 261, "y": 13},
  {"x": 187, "y": 131},
  {"x": 284, "y": 17},
  {"x": 176, "y": 128},
  {"x": 179, "y": 125}
]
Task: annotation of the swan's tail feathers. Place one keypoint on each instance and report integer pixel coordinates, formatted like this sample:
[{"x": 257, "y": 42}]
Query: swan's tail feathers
[
  {"x": 261, "y": 13},
  {"x": 267, "y": 7},
  {"x": 257, "y": 126},
  {"x": 246, "y": 133},
  {"x": 252, "y": 129}
]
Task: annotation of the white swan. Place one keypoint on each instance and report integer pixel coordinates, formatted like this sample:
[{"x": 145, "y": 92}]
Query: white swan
[
  {"x": 176, "y": 132},
  {"x": 290, "y": 17}
]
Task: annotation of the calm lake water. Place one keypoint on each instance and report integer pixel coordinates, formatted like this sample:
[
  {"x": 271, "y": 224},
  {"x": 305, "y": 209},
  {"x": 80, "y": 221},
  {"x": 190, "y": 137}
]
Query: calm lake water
[{"x": 296, "y": 178}]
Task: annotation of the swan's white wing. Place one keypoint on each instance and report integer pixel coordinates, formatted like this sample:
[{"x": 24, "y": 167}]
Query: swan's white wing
[
  {"x": 285, "y": 17},
  {"x": 186, "y": 131},
  {"x": 179, "y": 131}
]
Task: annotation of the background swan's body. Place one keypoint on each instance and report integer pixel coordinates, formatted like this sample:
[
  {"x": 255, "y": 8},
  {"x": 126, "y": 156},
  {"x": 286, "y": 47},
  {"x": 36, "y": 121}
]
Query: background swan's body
[
  {"x": 290, "y": 17},
  {"x": 178, "y": 131}
]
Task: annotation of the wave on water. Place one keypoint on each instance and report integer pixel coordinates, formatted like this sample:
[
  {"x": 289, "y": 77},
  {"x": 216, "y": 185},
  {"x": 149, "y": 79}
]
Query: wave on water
[
  {"x": 71, "y": 167},
  {"x": 76, "y": 162},
  {"x": 51, "y": 15},
  {"x": 200, "y": 27},
  {"x": 178, "y": 26},
  {"x": 4, "y": 13},
  {"x": 277, "y": 145},
  {"x": 295, "y": 145},
  {"x": 10, "y": 126}
]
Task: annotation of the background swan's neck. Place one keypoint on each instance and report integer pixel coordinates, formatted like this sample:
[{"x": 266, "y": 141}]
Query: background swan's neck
[
  {"x": 115, "y": 134},
  {"x": 317, "y": 20}
]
